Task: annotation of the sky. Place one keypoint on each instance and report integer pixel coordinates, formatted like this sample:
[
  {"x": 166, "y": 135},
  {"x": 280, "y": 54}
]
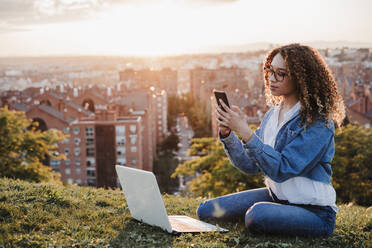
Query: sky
[{"x": 170, "y": 27}]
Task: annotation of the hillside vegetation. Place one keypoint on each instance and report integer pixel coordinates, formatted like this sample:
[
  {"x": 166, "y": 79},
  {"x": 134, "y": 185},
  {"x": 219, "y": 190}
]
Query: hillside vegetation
[{"x": 47, "y": 215}]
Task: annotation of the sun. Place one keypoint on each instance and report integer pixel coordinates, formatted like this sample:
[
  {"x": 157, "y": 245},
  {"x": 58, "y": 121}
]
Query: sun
[{"x": 143, "y": 30}]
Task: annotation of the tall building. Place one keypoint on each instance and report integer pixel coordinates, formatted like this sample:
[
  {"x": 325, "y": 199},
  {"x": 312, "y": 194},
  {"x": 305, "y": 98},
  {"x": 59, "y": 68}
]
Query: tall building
[
  {"x": 101, "y": 143},
  {"x": 203, "y": 81},
  {"x": 160, "y": 115},
  {"x": 165, "y": 79}
]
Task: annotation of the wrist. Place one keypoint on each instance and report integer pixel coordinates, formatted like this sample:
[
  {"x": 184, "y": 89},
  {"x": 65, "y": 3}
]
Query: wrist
[
  {"x": 225, "y": 134},
  {"x": 247, "y": 136}
]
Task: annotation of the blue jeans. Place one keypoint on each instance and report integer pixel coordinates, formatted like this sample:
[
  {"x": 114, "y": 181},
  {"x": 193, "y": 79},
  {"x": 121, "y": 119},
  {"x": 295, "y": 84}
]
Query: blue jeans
[{"x": 263, "y": 213}]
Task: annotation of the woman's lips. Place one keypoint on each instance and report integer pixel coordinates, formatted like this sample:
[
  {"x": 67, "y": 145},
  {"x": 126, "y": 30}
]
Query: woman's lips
[{"x": 273, "y": 88}]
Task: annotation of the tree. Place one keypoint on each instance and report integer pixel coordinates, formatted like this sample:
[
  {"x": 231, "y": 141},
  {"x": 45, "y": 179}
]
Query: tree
[
  {"x": 164, "y": 166},
  {"x": 199, "y": 119},
  {"x": 173, "y": 110},
  {"x": 198, "y": 115},
  {"x": 352, "y": 173},
  {"x": 213, "y": 173},
  {"x": 166, "y": 163},
  {"x": 352, "y": 170},
  {"x": 196, "y": 111},
  {"x": 23, "y": 147},
  {"x": 169, "y": 144}
]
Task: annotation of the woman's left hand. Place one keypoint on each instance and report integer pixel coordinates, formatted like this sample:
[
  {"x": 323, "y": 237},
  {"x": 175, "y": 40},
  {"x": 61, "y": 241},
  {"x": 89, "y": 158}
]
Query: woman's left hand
[{"x": 234, "y": 119}]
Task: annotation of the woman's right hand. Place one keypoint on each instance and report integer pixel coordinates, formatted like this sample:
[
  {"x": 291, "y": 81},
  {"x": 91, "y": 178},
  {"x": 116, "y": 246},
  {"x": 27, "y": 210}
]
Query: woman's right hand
[{"x": 233, "y": 119}]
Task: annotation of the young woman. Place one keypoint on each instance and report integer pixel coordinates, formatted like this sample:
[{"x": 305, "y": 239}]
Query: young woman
[{"x": 293, "y": 147}]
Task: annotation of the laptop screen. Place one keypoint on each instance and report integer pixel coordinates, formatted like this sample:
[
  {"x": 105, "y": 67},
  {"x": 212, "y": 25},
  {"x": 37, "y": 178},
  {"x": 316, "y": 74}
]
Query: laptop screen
[{"x": 143, "y": 196}]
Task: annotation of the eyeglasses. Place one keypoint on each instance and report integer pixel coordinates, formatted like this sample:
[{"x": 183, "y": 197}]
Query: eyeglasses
[{"x": 279, "y": 75}]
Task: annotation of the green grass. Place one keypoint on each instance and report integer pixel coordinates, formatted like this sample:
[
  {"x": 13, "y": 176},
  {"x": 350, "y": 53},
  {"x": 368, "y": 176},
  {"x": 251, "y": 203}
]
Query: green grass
[{"x": 45, "y": 215}]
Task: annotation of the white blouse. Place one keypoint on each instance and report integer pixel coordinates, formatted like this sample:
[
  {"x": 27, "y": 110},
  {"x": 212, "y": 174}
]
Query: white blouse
[{"x": 297, "y": 190}]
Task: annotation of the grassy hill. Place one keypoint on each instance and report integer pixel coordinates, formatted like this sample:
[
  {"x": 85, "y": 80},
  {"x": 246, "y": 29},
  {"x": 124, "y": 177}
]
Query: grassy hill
[{"x": 45, "y": 215}]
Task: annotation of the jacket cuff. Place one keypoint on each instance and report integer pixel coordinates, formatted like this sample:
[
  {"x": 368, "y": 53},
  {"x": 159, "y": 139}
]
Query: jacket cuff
[
  {"x": 255, "y": 143},
  {"x": 229, "y": 140}
]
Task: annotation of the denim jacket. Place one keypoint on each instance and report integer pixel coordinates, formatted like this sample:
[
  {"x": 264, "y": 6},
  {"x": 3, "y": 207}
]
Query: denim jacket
[{"x": 298, "y": 151}]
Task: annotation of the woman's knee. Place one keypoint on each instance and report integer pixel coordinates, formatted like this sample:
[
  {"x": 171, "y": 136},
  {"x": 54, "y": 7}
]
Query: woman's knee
[
  {"x": 204, "y": 210},
  {"x": 211, "y": 209},
  {"x": 255, "y": 217}
]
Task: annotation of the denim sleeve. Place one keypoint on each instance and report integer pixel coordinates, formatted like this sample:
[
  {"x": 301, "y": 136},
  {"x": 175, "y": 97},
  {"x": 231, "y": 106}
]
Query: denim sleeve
[
  {"x": 297, "y": 158},
  {"x": 238, "y": 155}
]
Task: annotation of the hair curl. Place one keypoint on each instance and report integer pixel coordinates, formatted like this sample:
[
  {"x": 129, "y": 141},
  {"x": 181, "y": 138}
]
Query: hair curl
[{"x": 316, "y": 87}]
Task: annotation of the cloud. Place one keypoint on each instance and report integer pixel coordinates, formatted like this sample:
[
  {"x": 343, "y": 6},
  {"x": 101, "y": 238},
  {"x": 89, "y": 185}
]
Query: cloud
[
  {"x": 18, "y": 15},
  {"x": 28, "y": 12}
]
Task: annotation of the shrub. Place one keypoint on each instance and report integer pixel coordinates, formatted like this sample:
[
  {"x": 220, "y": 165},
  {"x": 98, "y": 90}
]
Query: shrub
[{"x": 351, "y": 165}]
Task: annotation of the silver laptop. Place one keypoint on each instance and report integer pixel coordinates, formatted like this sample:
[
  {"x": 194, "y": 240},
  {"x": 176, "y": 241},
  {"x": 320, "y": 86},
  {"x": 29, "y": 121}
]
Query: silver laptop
[{"x": 146, "y": 204}]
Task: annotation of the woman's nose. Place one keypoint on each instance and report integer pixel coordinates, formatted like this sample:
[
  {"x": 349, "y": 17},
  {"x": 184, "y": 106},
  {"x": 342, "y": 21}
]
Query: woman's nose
[{"x": 272, "y": 78}]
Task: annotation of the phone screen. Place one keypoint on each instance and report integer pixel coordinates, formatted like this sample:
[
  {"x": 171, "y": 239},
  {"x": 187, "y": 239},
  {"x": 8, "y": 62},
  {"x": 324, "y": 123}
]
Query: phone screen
[{"x": 221, "y": 95}]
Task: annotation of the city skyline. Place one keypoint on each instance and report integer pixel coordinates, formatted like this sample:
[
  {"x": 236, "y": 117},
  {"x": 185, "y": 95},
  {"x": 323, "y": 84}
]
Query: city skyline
[{"x": 162, "y": 27}]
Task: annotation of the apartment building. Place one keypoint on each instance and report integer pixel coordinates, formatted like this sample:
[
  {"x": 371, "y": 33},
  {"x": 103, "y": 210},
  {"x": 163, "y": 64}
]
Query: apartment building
[
  {"x": 165, "y": 79},
  {"x": 203, "y": 81},
  {"x": 121, "y": 130}
]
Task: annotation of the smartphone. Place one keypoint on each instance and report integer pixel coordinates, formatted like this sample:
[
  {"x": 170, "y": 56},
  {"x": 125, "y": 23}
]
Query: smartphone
[{"x": 221, "y": 95}]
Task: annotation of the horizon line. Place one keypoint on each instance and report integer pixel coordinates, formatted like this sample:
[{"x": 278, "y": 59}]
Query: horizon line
[{"x": 224, "y": 49}]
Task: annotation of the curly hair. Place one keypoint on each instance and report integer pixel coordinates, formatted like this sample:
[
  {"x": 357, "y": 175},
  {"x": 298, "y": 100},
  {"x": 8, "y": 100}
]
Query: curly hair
[{"x": 316, "y": 87}]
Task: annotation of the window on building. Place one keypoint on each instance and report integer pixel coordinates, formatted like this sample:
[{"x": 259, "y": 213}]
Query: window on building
[
  {"x": 91, "y": 173},
  {"x": 133, "y": 139},
  {"x": 120, "y": 141},
  {"x": 76, "y": 130},
  {"x": 120, "y": 151},
  {"x": 67, "y": 161},
  {"x": 54, "y": 163},
  {"x": 67, "y": 151},
  {"x": 89, "y": 131},
  {"x": 77, "y": 151},
  {"x": 159, "y": 122},
  {"x": 120, "y": 130},
  {"x": 132, "y": 128},
  {"x": 78, "y": 181},
  {"x": 66, "y": 130},
  {"x": 133, "y": 148},
  {"x": 89, "y": 141},
  {"x": 91, "y": 182},
  {"x": 65, "y": 141},
  {"x": 70, "y": 181},
  {"x": 121, "y": 161},
  {"x": 78, "y": 161},
  {"x": 90, "y": 162},
  {"x": 78, "y": 171},
  {"x": 67, "y": 171},
  {"x": 77, "y": 141},
  {"x": 134, "y": 160},
  {"x": 90, "y": 151}
]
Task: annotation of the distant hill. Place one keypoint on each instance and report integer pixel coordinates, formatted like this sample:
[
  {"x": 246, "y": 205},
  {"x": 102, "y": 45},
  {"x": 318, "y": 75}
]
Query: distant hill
[
  {"x": 339, "y": 44},
  {"x": 268, "y": 45}
]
